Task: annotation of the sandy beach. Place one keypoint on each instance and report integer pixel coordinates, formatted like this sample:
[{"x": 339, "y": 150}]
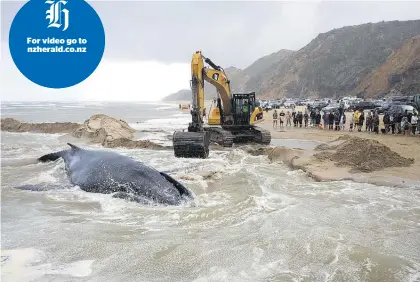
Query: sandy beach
[{"x": 406, "y": 146}]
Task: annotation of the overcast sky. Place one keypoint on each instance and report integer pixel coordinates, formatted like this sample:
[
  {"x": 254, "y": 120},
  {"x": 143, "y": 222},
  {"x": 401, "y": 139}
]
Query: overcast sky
[{"x": 149, "y": 44}]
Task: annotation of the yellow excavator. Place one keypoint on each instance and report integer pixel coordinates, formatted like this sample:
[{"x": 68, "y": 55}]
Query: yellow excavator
[
  {"x": 214, "y": 115},
  {"x": 231, "y": 121}
]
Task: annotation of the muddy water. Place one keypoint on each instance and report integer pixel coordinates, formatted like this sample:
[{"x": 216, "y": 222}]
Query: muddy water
[{"x": 253, "y": 221}]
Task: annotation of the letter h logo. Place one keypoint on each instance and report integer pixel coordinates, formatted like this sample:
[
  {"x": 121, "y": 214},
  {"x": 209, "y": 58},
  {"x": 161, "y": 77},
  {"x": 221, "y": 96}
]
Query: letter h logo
[{"x": 57, "y": 15}]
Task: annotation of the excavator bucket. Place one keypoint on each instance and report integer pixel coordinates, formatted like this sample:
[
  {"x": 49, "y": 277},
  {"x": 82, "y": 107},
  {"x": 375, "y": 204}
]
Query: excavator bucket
[{"x": 191, "y": 144}]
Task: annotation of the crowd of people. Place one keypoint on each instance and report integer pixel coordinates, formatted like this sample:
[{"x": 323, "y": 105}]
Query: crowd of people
[{"x": 396, "y": 123}]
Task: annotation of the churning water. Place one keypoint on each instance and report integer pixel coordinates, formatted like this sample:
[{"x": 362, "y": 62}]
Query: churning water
[{"x": 252, "y": 221}]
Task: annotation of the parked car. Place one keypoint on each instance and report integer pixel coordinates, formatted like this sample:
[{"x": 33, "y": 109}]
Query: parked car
[
  {"x": 365, "y": 105},
  {"x": 289, "y": 104},
  {"x": 402, "y": 99},
  {"x": 401, "y": 108},
  {"x": 331, "y": 107},
  {"x": 317, "y": 105},
  {"x": 378, "y": 103},
  {"x": 385, "y": 106}
]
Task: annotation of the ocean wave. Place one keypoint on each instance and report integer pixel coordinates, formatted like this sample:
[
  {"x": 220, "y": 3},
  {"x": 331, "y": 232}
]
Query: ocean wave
[
  {"x": 30, "y": 264},
  {"x": 166, "y": 124}
]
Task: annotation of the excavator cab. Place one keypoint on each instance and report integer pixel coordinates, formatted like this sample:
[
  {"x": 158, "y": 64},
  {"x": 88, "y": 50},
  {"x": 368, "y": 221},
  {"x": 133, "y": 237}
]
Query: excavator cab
[
  {"x": 246, "y": 109},
  {"x": 243, "y": 105}
]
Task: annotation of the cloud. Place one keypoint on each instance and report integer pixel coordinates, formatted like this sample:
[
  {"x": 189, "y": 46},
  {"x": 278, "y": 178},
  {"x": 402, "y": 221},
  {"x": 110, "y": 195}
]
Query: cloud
[
  {"x": 124, "y": 80},
  {"x": 132, "y": 80}
]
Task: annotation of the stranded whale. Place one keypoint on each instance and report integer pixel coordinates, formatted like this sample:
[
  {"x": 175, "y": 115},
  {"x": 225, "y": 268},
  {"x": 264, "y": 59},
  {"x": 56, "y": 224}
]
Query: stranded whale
[{"x": 112, "y": 173}]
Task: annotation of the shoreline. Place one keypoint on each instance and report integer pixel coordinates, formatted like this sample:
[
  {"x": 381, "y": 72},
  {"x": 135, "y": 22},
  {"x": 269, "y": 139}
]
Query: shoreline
[{"x": 302, "y": 157}]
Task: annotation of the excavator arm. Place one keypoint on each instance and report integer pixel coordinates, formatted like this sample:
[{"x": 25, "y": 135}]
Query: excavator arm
[
  {"x": 219, "y": 80},
  {"x": 216, "y": 77}
]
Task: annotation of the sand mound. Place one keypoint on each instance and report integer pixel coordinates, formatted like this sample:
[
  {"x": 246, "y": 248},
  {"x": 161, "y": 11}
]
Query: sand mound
[
  {"x": 103, "y": 129},
  {"x": 363, "y": 155},
  {"x": 112, "y": 133},
  {"x": 13, "y": 125}
]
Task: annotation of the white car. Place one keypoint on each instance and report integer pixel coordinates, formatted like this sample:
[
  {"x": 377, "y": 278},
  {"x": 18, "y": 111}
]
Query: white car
[{"x": 289, "y": 104}]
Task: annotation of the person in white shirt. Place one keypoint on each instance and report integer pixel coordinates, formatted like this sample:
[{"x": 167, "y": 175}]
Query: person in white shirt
[
  {"x": 414, "y": 120},
  {"x": 351, "y": 122}
]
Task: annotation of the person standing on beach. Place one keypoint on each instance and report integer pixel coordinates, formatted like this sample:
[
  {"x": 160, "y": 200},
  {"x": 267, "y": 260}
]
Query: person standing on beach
[
  {"x": 356, "y": 119},
  {"x": 306, "y": 118},
  {"x": 343, "y": 121},
  {"x": 288, "y": 119},
  {"x": 351, "y": 122},
  {"x": 331, "y": 121},
  {"x": 392, "y": 122},
  {"x": 312, "y": 117},
  {"x": 317, "y": 118},
  {"x": 281, "y": 118},
  {"x": 369, "y": 122},
  {"x": 414, "y": 121},
  {"x": 398, "y": 122},
  {"x": 325, "y": 119},
  {"x": 361, "y": 120},
  {"x": 300, "y": 119},
  {"x": 405, "y": 125},
  {"x": 337, "y": 120},
  {"x": 275, "y": 116},
  {"x": 386, "y": 121},
  {"x": 375, "y": 123}
]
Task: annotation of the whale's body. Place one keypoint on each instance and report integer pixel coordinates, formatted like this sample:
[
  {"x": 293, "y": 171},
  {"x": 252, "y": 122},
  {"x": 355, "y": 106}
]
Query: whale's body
[{"x": 109, "y": 172}]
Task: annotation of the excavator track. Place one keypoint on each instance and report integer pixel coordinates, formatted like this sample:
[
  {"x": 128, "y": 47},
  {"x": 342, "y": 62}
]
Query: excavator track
[
  {"x": 196, "y": 144},
  {"x": 191, "y": 144},
  {"x": 220, "y": 136},
  {"x": 245, "y": 134},
  {"x": 261, "y": 135}
]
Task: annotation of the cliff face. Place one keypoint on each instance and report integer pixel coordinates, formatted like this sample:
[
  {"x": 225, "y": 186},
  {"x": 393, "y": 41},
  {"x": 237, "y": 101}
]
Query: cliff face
[
  {"x": 264, "y": 63},
  {"x": 334, "y": 63},
  {"x": 400, "y": 72}
]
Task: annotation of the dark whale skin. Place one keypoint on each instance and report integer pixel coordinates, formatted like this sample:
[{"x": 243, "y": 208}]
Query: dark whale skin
[{"x": 109, "y": 172}]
